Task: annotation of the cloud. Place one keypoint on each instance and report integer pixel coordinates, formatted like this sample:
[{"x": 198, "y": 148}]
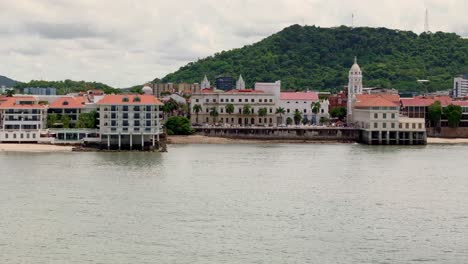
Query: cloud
[{"x": 128, "y": 42}]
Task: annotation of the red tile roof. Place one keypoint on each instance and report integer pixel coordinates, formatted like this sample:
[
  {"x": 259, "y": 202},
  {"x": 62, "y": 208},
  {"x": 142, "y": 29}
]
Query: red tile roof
[
  {"x": 308, "y": 96},
  {"x": 119, "y": 99},
  {"x": 426, "y": 101},
  {"x": 15, "y": 103},
  {"x": 67, "y": 103},
  {"x": 245, "y": 91},
  {"x": 375, "y": 100}
]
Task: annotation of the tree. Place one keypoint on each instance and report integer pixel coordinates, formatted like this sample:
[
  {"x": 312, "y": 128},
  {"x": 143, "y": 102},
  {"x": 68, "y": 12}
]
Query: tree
[
  {"x": 246, "y": 110},
  {"x": 66, "y": 120},
  {"x": 289, "y": 121},
  {"x": 315, "y": 109},
  {"x": 170, "y": 106},
  {"x": 229, "y": 108},
  {"x": 262, "y": 112},
  {"x": 297, "y": 117},
  {"x": 87, "y": 120},
  {"x": 178, "y": 125},
  {"x": 197, "y": 109},
  {"x": 324, "y": 120},
  {"x": 52, "y": 119},
  {"x": 338, "y": 112},
  {"x": 214, "y": 113},
  {"x": 434, "y": 112},
  {"x": 280, "y": 111},
  {"x": 10, "y": 92},
  {"x": 453, "y": 113}
]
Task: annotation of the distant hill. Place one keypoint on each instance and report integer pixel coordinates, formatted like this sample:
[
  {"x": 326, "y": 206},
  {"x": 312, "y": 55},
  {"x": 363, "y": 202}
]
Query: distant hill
[
  {"x": 69, "y": 86},
  {"x": 310, "y": 57},
  {"x": 5, "y": 81}
]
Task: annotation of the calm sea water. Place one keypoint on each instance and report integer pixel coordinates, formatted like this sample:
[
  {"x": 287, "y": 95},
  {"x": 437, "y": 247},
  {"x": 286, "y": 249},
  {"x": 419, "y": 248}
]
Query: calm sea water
[{"x": 237, "y": 204}]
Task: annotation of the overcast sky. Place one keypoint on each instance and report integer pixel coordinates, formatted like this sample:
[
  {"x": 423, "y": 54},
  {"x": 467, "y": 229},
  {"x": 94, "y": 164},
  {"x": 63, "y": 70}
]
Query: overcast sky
[{"x": 129, "y": 42}]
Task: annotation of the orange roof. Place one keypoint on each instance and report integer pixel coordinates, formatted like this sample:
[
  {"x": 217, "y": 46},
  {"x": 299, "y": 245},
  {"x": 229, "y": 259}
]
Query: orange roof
[
  {"x": 375, "y": 100},
  {"x": 129, "y": 99},
  {"x": 67, "y": 102},
  {"x": 15, "y": 103},
  {"x": 426, "y": 100}
]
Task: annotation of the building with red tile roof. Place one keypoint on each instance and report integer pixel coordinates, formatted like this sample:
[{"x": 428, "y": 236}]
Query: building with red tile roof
[{"x": 129, "y": 99}]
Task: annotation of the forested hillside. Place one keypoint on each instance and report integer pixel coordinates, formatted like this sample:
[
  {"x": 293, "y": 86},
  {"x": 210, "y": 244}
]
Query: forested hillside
[
  {"x": 69, "y": 86},
  {"x": 7, "y": 82},
  {"x": 319, "y": 58}
]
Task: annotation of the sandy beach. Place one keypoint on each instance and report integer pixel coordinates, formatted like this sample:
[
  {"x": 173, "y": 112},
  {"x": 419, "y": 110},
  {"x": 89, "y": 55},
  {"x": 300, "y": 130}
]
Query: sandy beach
[
  {"x": 431, "y": 140},
  {"x": 34, "y": 148}
]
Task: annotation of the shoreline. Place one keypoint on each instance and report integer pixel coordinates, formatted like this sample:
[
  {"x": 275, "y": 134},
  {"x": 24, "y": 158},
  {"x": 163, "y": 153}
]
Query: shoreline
[
  {"x": 34, "y": 148},
  {"x": 198, "y": 139}
]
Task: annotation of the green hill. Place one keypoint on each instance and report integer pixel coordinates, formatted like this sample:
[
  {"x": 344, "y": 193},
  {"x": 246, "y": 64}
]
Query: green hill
[
  {"x": 7, "y": 82},
  {"x": 319, "y": 58},
  {"x": 69, "y": 86}
]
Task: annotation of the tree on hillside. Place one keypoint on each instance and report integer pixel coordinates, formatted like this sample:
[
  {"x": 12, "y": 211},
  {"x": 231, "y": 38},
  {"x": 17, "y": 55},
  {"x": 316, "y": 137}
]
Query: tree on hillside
[
  {"x": 434, "y": 112},
  {"x": 453, "y": 113}
]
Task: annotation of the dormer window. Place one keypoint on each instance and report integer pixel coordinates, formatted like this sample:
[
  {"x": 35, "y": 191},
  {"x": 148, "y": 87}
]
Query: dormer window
[
  {"x": 65, "y": 103},
  {"x": 125, "y": 99},
  {"x": 136, "y": 99}
]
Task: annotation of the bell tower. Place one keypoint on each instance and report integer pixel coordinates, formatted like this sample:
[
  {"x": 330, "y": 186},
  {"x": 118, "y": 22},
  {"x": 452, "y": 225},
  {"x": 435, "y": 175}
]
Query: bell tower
[{"x": 354, "y": 87}]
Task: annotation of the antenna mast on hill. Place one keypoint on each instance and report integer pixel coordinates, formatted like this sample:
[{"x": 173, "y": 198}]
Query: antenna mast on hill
[
  {"x": 426, "y": 22},
  {"x": 352, "y": 20}
]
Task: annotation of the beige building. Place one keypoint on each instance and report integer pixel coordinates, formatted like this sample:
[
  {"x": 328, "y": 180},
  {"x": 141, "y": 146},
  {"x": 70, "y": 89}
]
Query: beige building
[{"x": 240, "y": 99}]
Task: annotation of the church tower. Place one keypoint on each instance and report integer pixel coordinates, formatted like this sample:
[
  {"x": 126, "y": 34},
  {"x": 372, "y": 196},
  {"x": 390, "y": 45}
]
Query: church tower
[
  {"x": 205, "y": 83},
  {"x": 354, "y": 87},
  {"x": 240, "y": 84}
]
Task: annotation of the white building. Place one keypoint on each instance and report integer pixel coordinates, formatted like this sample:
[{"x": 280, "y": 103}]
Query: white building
[
  {"x": 354, "y": 87},
  {"x": 129, "y": 120},
  {"x": 378, "y": 118},
  {"x": 460, "y": 86},
  {"x": 302, "y": 102},
  {"x": 21, "y": 119}
]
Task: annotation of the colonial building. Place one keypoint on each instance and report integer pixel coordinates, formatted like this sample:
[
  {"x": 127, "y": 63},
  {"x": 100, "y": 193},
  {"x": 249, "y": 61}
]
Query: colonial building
[
  {"x": 128, "y": 121},
  {"x": 378, "y": 118},
  {"x": 21, "y": 119},
  {"x": 69, "y": 106},
  {"x": 302, "y": 102}
]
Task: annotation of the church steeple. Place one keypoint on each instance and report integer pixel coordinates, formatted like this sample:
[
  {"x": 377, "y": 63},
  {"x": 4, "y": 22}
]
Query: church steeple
[
  {"x": 205, "y": 83},
  {"x": 240, "y": 84}
]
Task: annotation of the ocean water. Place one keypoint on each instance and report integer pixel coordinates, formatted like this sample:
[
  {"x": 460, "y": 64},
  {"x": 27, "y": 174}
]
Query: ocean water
[{"x": 282, "y": 203}]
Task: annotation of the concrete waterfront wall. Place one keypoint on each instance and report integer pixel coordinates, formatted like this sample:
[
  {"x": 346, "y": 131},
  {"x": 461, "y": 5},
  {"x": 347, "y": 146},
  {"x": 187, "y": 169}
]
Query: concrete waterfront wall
[
  {"x": 283, "y": 133},
  {"x": 448, "y": 132}
]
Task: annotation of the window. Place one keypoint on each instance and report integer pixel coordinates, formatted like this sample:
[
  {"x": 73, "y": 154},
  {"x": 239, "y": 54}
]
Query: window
[
  {"x": 375, "y": 125},
  {"x": 240, "y": 111},
  {"x": 246, "y": 100},
  {"x": 288, "y": 111},
  {"x": 148, "y": 115},
  {"x": 271, "y": 110},
  {"x": 240, "y": 100},
  {"x": 214, "y": 100},
  {"x": 232, "y": 100},
  {"x": 253, "y": 100},
  {"x": 260, "y": 100},
  {"x": 207, "y": 110},
  {"x": 400, "y": 125},
  {"x": 33, "y": 135},
  {"x": 384, "y": 125},
  {"x": 207, "y": 100},
  {"x": 148, "y": 108},
  {"x": 420, "y": 126},
  {"x": 148, "y": 123},
  {"x": 407, "y": 126},
  {"x": 6, "y": 135},
  {"x": 271, "y": 100},
  {"x": 222, "y": 100},
  {"x": 376, "y": 116},
  {"x": 222, "y": 110},
  {"x": 125, "y": 116},
  {"x": 305, "y": 110},
  {"x": 414, "y": 125},
  {"x": 393, "y": 116},
  {"x": 196, "y": 100},
  {"x": 384, "y": 115},
  {"x": 136, "y": 108},
  {"x": 136, "y": 123},
  {"x": 14, "y": 135},
  {"x": 393, "y": 125}
]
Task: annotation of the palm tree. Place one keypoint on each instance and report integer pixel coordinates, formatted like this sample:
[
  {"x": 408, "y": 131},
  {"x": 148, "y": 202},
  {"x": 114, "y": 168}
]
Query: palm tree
[
  {"x": 262, "y": 112},
  {"x": 247, "y": 109},
  {"x": 214, "y": 113},
  {"x": 197, "y": 109},
  {"x": 315, "y": 109},
  {"x": 280, "y": 111},
  {"x": 297, "y": 117},
  {"x": 229, "y": 108}
]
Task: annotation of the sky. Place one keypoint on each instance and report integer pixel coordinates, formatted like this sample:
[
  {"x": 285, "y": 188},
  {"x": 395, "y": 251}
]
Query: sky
[{"x": 128, "y": 42}]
